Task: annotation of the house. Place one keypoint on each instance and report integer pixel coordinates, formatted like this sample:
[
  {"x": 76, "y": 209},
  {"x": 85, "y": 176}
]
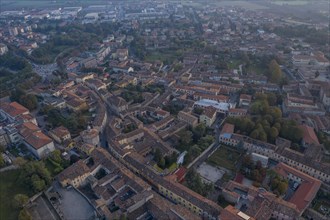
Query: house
[
  {"x": 237, "y": 112},
  {"x": 307, "y": 186},
  {"x": 309, "y": 136},
  {"x": 90, "y": 136},
  {"x": 222, "y": 107},
  {"x": 208, "y": 116},
  {"x": 122, "y": 54},
  {"x": 12, "y": 110},
  {"x": 3, "y": 49},
  {"x": 39, "y": 144},
  {"x": 117, "y": 104},
  {"x": 74, "y": 175},
  {"x": 60, "y": 134},
  {"x": 244, "y": 100},
  {"x": 161, "y": 114},
  {"x": 188, "y": 118}
]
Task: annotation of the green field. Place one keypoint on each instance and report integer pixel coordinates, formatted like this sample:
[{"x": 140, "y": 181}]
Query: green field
[
  {"x": 9, "y": 187},
  {"x": 224, "y": 157}
]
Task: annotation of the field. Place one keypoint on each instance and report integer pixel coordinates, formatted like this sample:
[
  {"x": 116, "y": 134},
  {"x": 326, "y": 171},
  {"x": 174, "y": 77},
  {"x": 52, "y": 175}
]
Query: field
[
  {"x": 9, "y": 187},
  {"x": 225, "y": 158}
]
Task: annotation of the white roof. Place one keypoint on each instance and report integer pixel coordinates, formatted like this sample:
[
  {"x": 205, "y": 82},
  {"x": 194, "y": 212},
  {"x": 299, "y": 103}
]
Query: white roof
[{"x": 223, "y": 106}]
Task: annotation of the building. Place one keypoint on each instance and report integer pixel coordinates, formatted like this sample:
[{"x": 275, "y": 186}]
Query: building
[
  {"x": 307, "y": 186},
  {"x": 258, "y": 157},
  {"x": 244, "y": 100},
  {"x": 90, "y": 136},
  {"x": 257, "y": 203},
  {"x": 222, "y": 107},
  {"x": 35, "y": 140},
  {"x": 307, "y": 162},
  {"x": 12, "y": 110},
  {"x": 4, "y": 139},
  {"x": 117, "y": 104},
  {"x": 3, "y": 49},
  {"x": 237, "y": 112},
  {"x": 74, "y": 175},
  {"x": 208, "y": 116},
  {"x": 60, "y": 134},
  {"x": 309, "y": 136},
  {"x": 188, "y": 118}
]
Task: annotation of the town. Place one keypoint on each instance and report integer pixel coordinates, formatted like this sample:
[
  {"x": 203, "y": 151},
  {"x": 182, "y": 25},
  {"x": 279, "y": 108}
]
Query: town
[{"x": 165, "y": 110}]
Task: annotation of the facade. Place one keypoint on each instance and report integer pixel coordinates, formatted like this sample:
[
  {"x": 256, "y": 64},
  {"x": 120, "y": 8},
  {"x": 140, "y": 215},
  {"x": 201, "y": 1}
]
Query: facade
[
  {"x": 208, "y": 116},
  {"x": 60, "y": 134},
  {"x": 188, "y": 118},
  {"x": 90, "y": 136},
  {"x": 39, "y": 144},
  {"x": 279, "y": 153}
]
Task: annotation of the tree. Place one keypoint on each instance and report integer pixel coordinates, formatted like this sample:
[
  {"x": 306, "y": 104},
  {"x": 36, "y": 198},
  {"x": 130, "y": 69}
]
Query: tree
[
  {"x": 185, "y": 137},
  {"x": 56, "y": 156},
  {"x": 199, "y": 131},
  {"x": 161, "y": 163},
  {"x": 38, "y": 184},
  {"x": 24, "y": 215},
  {"x": 20, "y": 200},
  {"x": 29, "y": 101},
  {"x": 157, "y": 155},
  {"x": 282, "y": 187},
  {"x": 2, "y": 161},
  {"x": 20, "y": 161},
  {"x": 275, "y": 72}
]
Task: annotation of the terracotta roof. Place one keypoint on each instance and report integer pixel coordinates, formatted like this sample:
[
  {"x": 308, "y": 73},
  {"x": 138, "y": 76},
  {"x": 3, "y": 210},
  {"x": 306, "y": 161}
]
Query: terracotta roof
[
  {"x": 209, "y": 111},
  {"x": 228, "y": 128},
  {"x": 27, "y": 129},
  {"x": 309, "y": 135},
  {"x": 60, "y": 131},
  {"x": 306, "y": 191},
  {"x": 245, "y": 96},
  {"x": 14, "y": 109},
  {"x": 231, "y": 213},
  {"x": 38, "y": 139},
  {"x": 77, "y": 169}
]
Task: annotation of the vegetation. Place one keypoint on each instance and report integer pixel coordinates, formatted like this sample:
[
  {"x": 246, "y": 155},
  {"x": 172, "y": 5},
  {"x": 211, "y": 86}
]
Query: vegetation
[
  {"x": 224, "y": 157},
  {"x": 15, "y": 72},
  {"x": 275, "y": 72},
  {"x": 194, "y": 141},
  {"x": 195, "y": 183},
  {"x": 74, "y": 122},
  {"x": 266, "y": 122},
  {"x": 278, "y": 184},
  {"x": 10, "y": 185},
  {"x": 35, "y": 175},
  {"x": 253, "y": 170},
  {"x": 174, "y": 107},
  {"x": 135, "y": 97},
  {"x": 164, "y": 162},
  {"x": 29, "y": 101}
]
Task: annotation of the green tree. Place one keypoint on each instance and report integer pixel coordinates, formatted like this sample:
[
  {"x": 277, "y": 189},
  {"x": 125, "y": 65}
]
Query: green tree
[
  {"x": 275, "y": 72},
  {"x": 24, "y": 215},
  {"x": 2, "y": 161},
  {"x": 29, "y": 101},
  {"x": 185, "y": 137},
  {"x": 56, "y": 156},
  {"x": 282, "y": 187},
  {"x": 157, "y": 155},
  {"x": 161, "y": 163},
  {"x": 199, "y": 131},
  {"x": 20, "y": 200}
]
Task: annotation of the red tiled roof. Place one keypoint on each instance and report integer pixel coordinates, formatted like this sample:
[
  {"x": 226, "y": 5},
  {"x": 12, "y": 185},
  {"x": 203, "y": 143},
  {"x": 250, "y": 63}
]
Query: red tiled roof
[
  {"x": 309, "y": 135},
  {"x": 38, "y": 139},
  {"x": 14, "y": 109},
  {"x": 306, "y": 191},
  {"x": 180, "y": 173},
  {"x": 228, "y": 128}
]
